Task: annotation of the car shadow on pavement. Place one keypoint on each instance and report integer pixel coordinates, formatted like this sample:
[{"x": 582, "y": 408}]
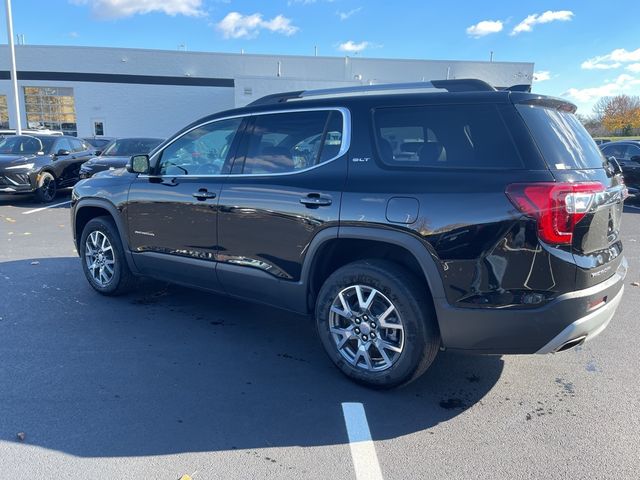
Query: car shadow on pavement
[{"x": 169, "y": 370}]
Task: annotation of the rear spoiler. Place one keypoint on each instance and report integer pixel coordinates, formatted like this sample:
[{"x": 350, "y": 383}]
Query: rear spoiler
[{"x": 523, "y": 87}]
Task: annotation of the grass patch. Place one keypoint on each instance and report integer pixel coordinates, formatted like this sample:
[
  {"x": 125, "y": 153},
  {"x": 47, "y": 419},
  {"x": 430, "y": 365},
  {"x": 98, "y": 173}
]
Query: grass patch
[{"x": 616, "y": 138}]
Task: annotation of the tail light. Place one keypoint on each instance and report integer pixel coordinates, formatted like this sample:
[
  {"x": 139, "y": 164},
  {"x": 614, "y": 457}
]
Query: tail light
[{"x": 558, "y": 207}]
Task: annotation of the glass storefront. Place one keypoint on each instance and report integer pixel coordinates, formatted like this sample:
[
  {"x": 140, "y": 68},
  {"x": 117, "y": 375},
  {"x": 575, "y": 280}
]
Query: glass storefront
[
  {"x": 4, "y": 112},
  {"x": 52, "y": 108}
]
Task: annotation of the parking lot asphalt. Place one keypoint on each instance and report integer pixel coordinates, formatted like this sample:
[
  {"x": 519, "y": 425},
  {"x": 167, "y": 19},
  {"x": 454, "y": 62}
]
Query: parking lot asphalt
[{"x": 168, "y": 381}]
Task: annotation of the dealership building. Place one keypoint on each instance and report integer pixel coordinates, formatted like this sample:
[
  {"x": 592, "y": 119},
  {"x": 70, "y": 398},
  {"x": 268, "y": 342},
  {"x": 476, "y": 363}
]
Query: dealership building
[{"x": 88, "y": 91}]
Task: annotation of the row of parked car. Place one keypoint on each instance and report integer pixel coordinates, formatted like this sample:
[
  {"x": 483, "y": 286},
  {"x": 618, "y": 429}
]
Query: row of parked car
[
  {"x": 42, "y": 162},
  {"x": 627, "y": 154}
]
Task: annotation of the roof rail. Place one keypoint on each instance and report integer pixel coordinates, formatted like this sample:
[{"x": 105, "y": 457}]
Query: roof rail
[{"x": 458, "y": 85}]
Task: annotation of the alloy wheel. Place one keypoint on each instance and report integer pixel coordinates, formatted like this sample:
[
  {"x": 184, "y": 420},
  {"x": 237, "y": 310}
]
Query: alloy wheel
[
  {"x": 366, "y": 327},
  {"x": 100, "y": 258}
]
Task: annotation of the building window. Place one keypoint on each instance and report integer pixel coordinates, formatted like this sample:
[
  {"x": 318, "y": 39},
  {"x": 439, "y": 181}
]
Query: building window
[
  {"x": 52, "y": 108},
  {"x": 98, "y": 128},
  {"x": 4, "y": 112}
]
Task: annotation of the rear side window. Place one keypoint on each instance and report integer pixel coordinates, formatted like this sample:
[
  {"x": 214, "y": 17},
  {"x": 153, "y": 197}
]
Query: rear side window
[
  {"x": 445, "y": 136},
  {"x": 561, "y": 138},
  {"x": 291, "y": 141}
]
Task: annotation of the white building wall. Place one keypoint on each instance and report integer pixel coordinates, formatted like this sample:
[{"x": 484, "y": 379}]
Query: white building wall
[
  {"x": 160, "y": 110},
  {"x": 132, "y": 110}
]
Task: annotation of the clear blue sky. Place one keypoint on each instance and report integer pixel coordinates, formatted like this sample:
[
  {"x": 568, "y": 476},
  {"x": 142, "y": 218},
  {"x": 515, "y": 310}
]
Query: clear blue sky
[{"x": 582, "y": 49}]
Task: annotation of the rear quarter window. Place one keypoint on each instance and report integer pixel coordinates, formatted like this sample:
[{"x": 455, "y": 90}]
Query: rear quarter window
[
  {"x": 563, "y": 141},
  {"x": 445, "y": 136}
]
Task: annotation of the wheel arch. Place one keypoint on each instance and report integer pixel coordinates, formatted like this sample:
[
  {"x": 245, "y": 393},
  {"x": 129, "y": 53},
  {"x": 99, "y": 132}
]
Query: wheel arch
[
  {"x": 325, "y": 244},
  {"x": 87, "y": 209}
]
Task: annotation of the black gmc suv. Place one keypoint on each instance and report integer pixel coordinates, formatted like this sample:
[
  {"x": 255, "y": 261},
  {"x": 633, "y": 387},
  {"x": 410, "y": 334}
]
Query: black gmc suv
[{"x": 405, "y": 218}]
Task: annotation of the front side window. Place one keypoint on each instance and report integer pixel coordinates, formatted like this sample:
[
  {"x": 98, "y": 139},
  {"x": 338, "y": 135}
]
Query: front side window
[
  {"x": 202, "y": 151},
  {"x": 77, "y": 145},
  {"x": 633, "y": 151},
  {"x": 291, "y": 141},
  {"x": 616, "y": 151},
  {"x": 445, "y": 136},
  {"x": 63, "y": 144}
]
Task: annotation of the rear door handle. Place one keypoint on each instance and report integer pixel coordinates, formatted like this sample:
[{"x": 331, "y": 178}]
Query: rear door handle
[
  {"x": 203, "y": 194},
  {"x": 314, "y": 200}
]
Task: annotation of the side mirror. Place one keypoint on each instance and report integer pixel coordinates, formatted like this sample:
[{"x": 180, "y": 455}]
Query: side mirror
[
  {"x": 62, "y": 153},
  {"x": 139, "y": 164},
  {"x": 97, "y": 153},
  {"x": 635, "y": 158}
]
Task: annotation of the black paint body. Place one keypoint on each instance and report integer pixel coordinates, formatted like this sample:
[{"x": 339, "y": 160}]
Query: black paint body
[{"x": 482, "y": 259}]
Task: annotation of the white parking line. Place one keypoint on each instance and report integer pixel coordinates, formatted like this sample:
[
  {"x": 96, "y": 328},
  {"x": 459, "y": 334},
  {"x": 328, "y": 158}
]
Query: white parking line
[
  {"x": 29, "y": 212},
  {"x": 363, "y": 451}
]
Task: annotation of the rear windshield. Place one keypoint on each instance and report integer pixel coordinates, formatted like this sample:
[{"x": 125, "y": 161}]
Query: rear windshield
[
  {"x": 445, "y": 136},
  {"x": 561, "y": 138}
]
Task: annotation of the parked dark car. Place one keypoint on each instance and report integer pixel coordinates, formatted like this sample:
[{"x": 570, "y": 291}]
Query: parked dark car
[
  {"x": 41, "y": 164},
  {"x": 627, "y": 154},
  {"x": 452, "y": 216},
  {"x": 117, "y": 154},
  {"x": 99, "y": 142}
]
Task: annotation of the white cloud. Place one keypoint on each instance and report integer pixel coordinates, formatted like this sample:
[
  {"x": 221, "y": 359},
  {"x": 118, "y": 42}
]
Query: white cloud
[
  {"x": 634, "y": 67},
  {"x": 527, "y": 24},
  {"x": 344, "y": 15},
  {"x": 236, "y": 25},
  {"x": 74, "y": 34},
  {"x": 484, "y": 27},
  {"x": 541, "y": 75},
  {"x": 109, "y": 9},
  {"x": 623, "y": 84},
  {"x": 352, "y": 47},
  {"x": 615, "y": 59}
]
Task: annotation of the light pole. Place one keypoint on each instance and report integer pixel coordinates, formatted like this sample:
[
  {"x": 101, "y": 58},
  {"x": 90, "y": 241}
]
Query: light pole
[{"x": 14, "y": 76}]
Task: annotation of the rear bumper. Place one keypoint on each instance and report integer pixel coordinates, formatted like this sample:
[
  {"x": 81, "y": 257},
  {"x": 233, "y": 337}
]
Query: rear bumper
[
  {"x": 579, "y": 315},
  {"x": 585, "y": 328}
]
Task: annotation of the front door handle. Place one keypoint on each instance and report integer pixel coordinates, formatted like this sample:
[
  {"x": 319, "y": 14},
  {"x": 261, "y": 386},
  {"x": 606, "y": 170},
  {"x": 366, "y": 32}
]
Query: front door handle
[
  {"x": 203, "y": 194},
  {"x": 315, "y": 200}
]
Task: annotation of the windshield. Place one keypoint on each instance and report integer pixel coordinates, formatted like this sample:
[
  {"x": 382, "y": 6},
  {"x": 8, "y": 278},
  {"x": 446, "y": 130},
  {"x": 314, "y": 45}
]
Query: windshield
[
  {"x": 561, "y": 138},
  {"x": 130, "y": 146},
  {"x": 24, "y": 145}
]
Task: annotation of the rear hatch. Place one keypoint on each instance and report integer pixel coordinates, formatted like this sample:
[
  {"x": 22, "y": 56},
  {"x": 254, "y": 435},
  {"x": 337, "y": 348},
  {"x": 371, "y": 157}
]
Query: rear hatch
[{"x": 589, "y": 188}]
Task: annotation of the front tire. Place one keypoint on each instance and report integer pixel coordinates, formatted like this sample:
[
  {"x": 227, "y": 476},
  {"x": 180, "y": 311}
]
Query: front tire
[
  {"x": 377, "y": 323},
  {"x": 46, "y": 188},
  {"x": 103, "y": 260}
]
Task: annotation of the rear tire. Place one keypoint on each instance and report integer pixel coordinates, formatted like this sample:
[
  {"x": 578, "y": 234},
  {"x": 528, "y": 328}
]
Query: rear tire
[
  {"x": 376, "y": 322},
  {"x": 47, "y": 187},
  {"x": 103, "y": 260}
]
